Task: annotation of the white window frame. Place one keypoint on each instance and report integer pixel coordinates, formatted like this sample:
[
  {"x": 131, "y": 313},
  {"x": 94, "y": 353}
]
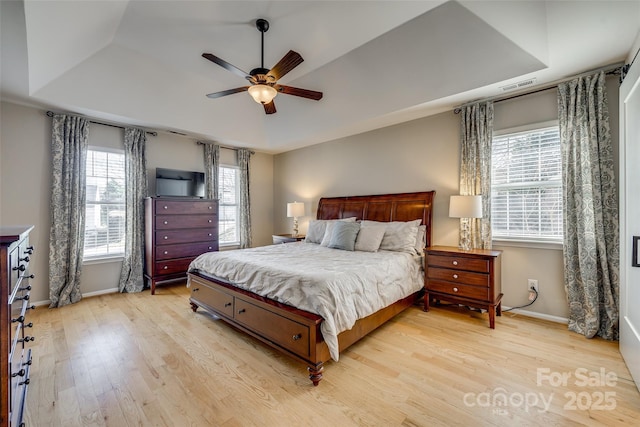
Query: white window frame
[
  {"x": 103, "y": 257},
  {"x": 528, "y": 241},
  {"x": 221, "y": 204}
]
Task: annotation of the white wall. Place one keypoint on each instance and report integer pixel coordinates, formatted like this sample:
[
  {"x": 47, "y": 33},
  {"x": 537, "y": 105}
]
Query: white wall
[
  {"x": 25, "y": 171},
  {"x": 424, "y": 155}
]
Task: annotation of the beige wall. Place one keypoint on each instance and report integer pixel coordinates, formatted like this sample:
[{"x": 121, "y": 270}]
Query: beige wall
[
  {"x": 416, "y": 156},
  {"x": 25, "y": 172},
  {"x": 424, "y": 155}
]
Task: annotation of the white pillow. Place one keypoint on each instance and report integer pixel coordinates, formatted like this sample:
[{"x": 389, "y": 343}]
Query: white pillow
[
  {"x": 399, "y": 236},
  {"x": 369, "y": 238},
  {"x": 421, "y": 239},
  {"x": 315, "y": 232},
  {"x": 318, "y": 227}
]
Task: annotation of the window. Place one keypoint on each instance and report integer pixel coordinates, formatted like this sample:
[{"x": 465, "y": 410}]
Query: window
[
  {"x": 526, "y": 186},
  {"x": 105, "y": 207},
  {"x": 229, "y": 198}
]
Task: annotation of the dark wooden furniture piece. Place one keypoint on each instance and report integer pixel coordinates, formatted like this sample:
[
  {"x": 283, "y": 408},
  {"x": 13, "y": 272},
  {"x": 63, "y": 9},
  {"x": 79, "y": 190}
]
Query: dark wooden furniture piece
[
  {"x": 470, "y": 278},
  {"x": 286, "y": 238},
  {"x": 15, "y": 287},
  {"x": 295, "y": 332},
  {"x": 176, "y": 231}
]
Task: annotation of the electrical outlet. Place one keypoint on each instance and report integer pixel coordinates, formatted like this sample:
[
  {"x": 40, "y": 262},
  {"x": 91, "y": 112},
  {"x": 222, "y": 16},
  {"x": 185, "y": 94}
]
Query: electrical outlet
[{"x": 532, "y": 283}]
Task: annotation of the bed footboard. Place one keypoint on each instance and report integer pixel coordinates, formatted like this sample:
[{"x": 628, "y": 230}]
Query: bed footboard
[{"x": 287, "y": 329}]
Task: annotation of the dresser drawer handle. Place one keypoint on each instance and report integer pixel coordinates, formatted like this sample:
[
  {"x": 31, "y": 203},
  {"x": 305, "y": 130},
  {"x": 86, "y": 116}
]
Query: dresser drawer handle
[
  {"x": 210, "y": 221},
  {"x": 228, "y": 304},
  {"x": 210, "y": 248},
  {"x": 166, "y": 252},
  {"x": 20, "y": 373},
  {"x": 166, "y": 222},
  {"x": 166, "y": 267},
  {"x": 196, "y": 289},
  {"x": 165, "y": 237},
  {"x": 296, "y": 337},
  {"x": 455, "y": 263},
  {"x": 210, "y": 207},
  {"x": 165, "y": 207},
  {"x": 210, "y": 234},
  {"x": 455, "y": 276},
  {"x": 242, "y": 310},
  {"x": 455, "y": 289}
]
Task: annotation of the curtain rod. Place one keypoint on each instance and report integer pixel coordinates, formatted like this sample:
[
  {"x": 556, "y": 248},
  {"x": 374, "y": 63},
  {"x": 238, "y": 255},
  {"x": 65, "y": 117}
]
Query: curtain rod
[
  {"x": 152, "y": 133},
  {"x": 608, "y": 69},
  {"x": 222, "y": 146}
]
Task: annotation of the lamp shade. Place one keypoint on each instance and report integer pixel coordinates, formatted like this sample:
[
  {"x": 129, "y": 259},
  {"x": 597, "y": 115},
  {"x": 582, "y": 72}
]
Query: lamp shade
[
  {"x": 262, "y": 94},
  {"x": 465, "y": 207},
  {"x": 295, "y": 209}
]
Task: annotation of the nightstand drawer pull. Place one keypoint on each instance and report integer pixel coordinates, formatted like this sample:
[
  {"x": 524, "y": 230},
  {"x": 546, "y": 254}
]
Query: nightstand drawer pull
[
  {"x": 242, "y": 310},
  {"x": 454, "y": 262},
  {"x": 166, "y": 222},
  {"x": 228, "y": 304},
  {"x": 296, "y": 337},
  {"x": 455, "y": 276},
  {"x": 455, "y": 289}
]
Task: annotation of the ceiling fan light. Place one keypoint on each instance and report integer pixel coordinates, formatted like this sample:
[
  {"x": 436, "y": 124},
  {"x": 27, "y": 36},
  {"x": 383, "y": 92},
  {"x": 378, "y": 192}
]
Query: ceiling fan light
[{"x": 262, "y": 94}]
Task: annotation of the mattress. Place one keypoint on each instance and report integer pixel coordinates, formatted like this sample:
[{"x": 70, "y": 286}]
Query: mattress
[{"x": 341, "y": 286}]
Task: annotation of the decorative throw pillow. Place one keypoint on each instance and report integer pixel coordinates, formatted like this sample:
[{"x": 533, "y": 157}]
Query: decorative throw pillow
[
  {"x": 344, "y": 235},
  {"x": 329, "y": 224},
  {"x": 399, "y": 236},
  {"x": 369, "y": 238}
]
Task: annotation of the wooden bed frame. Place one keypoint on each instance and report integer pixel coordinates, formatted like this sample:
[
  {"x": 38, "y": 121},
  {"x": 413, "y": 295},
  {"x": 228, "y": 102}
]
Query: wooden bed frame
[{"x": 297, "y": 332}]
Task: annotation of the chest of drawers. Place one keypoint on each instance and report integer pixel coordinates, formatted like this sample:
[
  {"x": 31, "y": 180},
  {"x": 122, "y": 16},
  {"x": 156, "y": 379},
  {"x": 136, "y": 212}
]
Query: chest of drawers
[
  {"x": 177, "y": 231},
  {"x": 15, "y": 289},
  {"x": 470, "y": 278}
]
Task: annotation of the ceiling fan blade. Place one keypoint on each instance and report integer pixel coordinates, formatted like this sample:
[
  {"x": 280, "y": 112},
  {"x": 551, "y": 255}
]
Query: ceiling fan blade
[
  {"x": 304, "y": 93},
  {"x": 227, "y": 92},
  {"x": 226, "y": 65},
  {"x": 270, "y": 108},
  {"x": 288, "y": 62}
]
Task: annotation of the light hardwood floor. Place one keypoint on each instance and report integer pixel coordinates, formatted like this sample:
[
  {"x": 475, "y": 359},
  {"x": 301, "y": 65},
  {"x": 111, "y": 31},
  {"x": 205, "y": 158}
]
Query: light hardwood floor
[{"x": 137, "y": 359}]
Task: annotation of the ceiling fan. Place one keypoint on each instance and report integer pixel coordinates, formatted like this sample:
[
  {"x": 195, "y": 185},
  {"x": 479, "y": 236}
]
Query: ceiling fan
[{"x": 264, "y": 83}]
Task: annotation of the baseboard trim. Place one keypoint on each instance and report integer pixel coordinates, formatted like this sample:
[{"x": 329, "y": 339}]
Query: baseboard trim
[
  {"x": 549, "y": 317},
  {"x": 84, "y": 295}
]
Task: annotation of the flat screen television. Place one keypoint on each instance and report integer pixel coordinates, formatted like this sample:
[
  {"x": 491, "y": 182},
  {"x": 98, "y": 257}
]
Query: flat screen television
[{"x": 179, "y": 183}]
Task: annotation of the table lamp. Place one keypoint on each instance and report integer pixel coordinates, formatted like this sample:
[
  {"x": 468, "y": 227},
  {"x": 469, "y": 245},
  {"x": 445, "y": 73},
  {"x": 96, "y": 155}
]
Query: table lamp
[
  {"x": 465, "y": 207},
  {"x": 295, "y": 210}
]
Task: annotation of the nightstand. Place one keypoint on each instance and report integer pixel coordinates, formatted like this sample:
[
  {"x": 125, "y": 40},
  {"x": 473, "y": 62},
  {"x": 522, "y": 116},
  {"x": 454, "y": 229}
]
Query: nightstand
[
  {"x": 470, "y": 278},
  {"x": 286, "y": 238}
]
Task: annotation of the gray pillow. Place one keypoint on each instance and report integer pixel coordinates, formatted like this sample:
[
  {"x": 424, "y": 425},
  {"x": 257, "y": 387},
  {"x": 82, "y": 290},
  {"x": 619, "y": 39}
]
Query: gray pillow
[
  {"x": 344, "y": 235},
  {"x": 369, "y": 238}
]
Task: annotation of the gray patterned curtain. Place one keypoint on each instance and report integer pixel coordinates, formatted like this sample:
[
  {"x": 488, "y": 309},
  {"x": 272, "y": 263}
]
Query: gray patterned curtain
[
  {"x": 135, "y": 171},
  {"x": 69, "y": 140},
  {"x": 211, "y": 167},
  {"x": 476, "y": 132},
  {"x": 244, "y": 156},
  {"x": 591, "y": 239}
]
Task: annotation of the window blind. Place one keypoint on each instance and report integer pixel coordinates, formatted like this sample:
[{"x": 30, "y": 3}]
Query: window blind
[
  {"x": 228, "y": 205},
  {"x": 105, "y": 205},
  {"x": 526, "y": 185}
]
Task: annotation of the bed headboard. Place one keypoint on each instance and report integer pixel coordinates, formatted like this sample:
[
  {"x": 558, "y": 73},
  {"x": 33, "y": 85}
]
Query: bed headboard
[{"x": 381, "y": 207}]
